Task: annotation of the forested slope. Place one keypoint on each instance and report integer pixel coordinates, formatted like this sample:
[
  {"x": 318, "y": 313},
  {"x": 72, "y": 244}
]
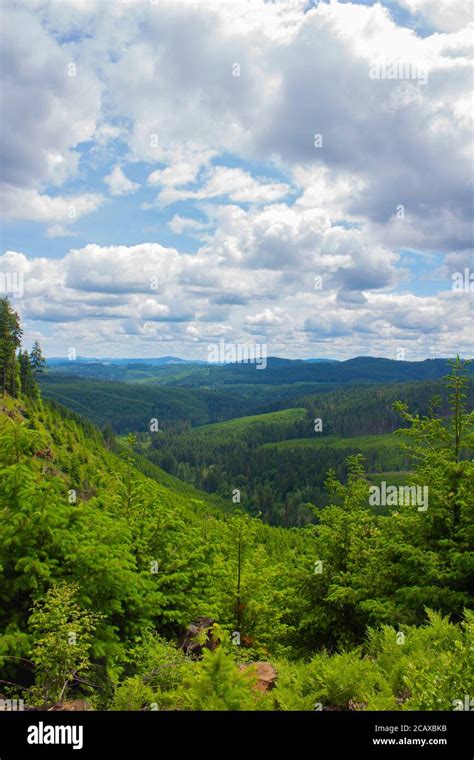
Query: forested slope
[
  {"x": 92, "y": 552},
  {"x": 102, "y": 570},
  {"x": 185, "y": 396},
  {"x": 279, "y": 460}
]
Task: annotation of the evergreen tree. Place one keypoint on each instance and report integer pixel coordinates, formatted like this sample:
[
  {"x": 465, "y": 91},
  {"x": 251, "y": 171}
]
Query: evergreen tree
[
  {"x": 63, "y": 637},
  {"x": 28, "y": 383},
  {"x": 108, "y": 435},
  {"x": 37, "y": 359},
  {"x": 219, "y": 685},
  {"x": 10, "y": 340}
]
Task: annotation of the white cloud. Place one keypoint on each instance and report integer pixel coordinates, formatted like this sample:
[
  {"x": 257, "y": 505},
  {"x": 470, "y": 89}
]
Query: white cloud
[
  {"x": 268, "y": 317},
  {"x": 180, "y": 224},
  {"x": 154, "y": 294},
  {"x": 215, "y": 140},
  {"x": 120, "y": 269},
  {"x": 238, "y": 185},
  {"x": 28, "y": 204},
  {"x": 301, "y": 243},
  {"x": 301, "y": 74},
  {"x": 445, "y": 15},
  {"x": 58, "y": 231},
  {"x": 119, "y": 184},
  {"x": 46, "y": 111},
  {"x": 185, "y": 161}
]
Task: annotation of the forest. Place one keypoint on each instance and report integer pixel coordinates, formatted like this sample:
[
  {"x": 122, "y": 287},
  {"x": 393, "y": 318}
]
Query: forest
[
  {"x": 220, "y": 441},
  {"x": 227, "y": 562}
]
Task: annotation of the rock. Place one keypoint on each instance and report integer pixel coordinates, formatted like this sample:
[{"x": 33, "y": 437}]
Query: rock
[
  {"x": 199, "y": 636},
  {"x": 74, "y": 705},
  {"x": 356, "y": 705},
  {"x": 265, "y": 673},
  {"x": 44, "y": 453}
]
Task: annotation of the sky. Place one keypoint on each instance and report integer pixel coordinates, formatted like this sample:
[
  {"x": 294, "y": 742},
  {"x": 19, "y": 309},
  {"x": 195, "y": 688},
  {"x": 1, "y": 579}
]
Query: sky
[{"x": 291, "y": 174}]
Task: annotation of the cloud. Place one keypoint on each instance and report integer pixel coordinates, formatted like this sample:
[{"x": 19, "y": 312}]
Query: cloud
[
  {"x": 180, "y": 224},
  {"x": 236, "y": 184},
  {"x": 185, "y": 162},
  {"x": 154, "y": 294},
  {"x": 28, "y": 204},
  {"x": 268, "y": 317},
  {"x": 301, "y": 244},
  {"x": 58, "y": 231},
  {"x": 120, "y": 269},
  {"x": 301, "y": 74},
  {"x": 119, "y": 184},
  {"x": 445, "y": 15},
  {"x": 380, "y": 138},
  {"x": 218, "y": 107},
  {"x": 50, "y": 103}
]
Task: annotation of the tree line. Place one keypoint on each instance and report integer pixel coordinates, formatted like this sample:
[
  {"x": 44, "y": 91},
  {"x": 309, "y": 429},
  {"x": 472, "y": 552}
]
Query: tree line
[{"x": 19, "y": 369}]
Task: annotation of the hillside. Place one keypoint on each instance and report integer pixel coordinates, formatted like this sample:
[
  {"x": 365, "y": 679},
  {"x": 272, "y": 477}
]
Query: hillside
[
  {"x": 279, "y": 461},
  {"x": 360, "y": 370},
  {"x": 130, "y": 406},
  {"x": 123, "y": 588},
  {"x": 125, "y": 562},
  {"x": 93, "y": 549},
  {"x": 267, "y": 425},
  {"x": 83, "y": 514},
  {"x": 219, "y": 457}
]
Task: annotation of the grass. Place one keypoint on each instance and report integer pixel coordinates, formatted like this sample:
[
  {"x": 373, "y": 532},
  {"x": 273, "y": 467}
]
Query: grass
[
  {"x": 288, "y": 416},
  {"x": 399, "y": 478},
  {"x": 359, "y": 442}
]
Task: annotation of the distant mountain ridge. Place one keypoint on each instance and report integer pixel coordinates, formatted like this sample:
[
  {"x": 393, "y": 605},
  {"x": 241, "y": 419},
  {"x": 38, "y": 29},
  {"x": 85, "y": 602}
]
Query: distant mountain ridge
[
  {"x": 157, "y": 361},
  {"x": 163, "y": 360},
  {"x": 271, "y": 361},
  {"x": 169, "y": 370}
]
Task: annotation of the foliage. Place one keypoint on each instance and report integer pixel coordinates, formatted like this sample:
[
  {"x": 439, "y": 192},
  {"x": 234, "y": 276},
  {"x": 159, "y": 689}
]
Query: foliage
[
  {"x": 428, "y": 668},
  {"x": 62, "y": 634},
  {"x": 360, "y": 609}
]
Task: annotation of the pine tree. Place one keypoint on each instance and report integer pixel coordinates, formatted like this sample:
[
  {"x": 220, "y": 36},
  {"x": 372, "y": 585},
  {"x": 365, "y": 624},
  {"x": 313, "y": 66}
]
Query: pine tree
[
  {"x": 10, "y": 340},
  {"x": 108, "y": 434},
  {"x": 37, "y": 359},
  {"x": 63, "y": 638},
  {"x": 27, "y": 381},
  {"x": 219, "y": 684}
]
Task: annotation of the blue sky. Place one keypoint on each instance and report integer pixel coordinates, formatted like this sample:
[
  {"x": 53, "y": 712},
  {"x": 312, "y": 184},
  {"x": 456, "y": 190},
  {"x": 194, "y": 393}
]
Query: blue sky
[{"x": 177, "y": 175}]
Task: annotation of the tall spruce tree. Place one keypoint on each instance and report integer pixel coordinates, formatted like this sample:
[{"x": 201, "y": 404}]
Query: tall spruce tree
[
  {"x": 10, "y": 341},
  {"x": 37, "y": 359},
  {"x": 28, "y": 384}
]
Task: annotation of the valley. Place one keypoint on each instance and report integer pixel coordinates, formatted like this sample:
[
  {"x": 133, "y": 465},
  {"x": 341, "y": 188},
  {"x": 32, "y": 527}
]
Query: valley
[{"x": 230, "y": 562}]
